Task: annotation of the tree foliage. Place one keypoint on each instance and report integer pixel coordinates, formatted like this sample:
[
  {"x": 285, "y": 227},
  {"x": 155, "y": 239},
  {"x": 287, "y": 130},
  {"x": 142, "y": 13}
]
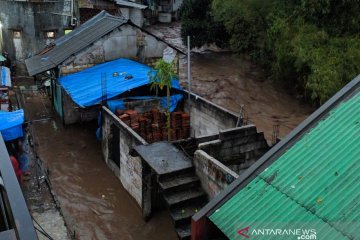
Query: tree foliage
[
  {"x": 198, "y": 23},
  {"x": 312, "y": 46}
]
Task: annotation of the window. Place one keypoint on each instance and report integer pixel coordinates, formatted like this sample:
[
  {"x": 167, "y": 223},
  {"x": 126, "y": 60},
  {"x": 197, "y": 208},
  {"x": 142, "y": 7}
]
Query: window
[
  {"x": 16, "y": 34},
  {"x": 49, "y": 34}
]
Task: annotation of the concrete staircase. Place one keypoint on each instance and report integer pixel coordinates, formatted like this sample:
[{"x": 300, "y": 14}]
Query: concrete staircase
[{"x": 184, "y": 197}]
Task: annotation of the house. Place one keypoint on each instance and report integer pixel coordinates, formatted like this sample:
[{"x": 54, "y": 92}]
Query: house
[
  {"x": 27, "y": 26},
  {"x": 306, "y": 187},
  {"x": 102, "y": 39},
  {"x": 133, "y": 11},
  {"x": 178, "y": 174},
  {"x": 164, "y": 10}
]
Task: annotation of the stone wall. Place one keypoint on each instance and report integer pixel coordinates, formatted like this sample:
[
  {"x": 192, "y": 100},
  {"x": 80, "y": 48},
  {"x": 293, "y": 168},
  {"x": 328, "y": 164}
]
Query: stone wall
[
  {"x": 130, "y": 170},
  {"x": 206, "y": 117},
  {"x": 214, "y": 175}
]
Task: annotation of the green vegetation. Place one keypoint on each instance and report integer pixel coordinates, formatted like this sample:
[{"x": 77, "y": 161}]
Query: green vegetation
[
  {"x": 311, "y": 46},
  {"x": 198, "y": 23},
  {"x": 162, "y": 78}
]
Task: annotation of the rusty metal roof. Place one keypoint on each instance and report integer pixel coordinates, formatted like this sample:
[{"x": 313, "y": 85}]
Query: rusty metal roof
[
  {"x": 312, "y": 184},
  {"x": 69, "y": 44}
]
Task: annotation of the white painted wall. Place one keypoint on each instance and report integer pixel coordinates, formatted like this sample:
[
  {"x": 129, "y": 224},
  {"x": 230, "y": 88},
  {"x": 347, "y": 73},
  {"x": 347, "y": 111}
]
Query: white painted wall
[{"x": 117, "y": 44}]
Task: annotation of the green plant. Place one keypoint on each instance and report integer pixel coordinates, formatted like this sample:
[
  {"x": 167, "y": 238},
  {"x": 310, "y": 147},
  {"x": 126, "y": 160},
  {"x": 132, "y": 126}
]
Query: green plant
[{"x": 162, "y": 78}]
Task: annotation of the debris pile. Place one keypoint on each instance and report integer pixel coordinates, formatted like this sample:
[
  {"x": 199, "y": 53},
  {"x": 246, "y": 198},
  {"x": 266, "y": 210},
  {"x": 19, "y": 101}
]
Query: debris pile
[{"x": 152, "y": 125}]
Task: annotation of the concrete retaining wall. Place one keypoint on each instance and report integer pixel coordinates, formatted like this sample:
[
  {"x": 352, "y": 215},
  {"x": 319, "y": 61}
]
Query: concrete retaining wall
[
  {"x": 221, "y": 158},
  {"x": 214, "y": 175},
  {"x": 237, "y": 148},
  {"x": 206, "y": 117},
  {"x": 130, "y": 170}
]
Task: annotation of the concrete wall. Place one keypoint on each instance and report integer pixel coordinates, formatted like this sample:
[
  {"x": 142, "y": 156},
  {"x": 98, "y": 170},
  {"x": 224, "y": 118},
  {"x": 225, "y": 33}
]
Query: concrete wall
[
  {"x": 177, "y": 5},
  {"x": 121, "y": 43},
  {"x": 130, "y": 170},
  {"x": 214, "y": 175},
  {"x": 206, "y": 118},
  {"x": 72, "y": 113},
  {"x": 32, "y": 19},
  {"x": 220, "y": 159},
  {"x": 137, "y": 16},
  {"x": 237, "y": 148}
]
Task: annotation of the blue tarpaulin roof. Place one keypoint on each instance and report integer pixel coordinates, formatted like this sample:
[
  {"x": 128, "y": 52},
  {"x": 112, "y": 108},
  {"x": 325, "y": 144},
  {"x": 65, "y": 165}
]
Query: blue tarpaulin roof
[
  {"x": 11, "y": 124},
  {"x": 121, "y": 75}
]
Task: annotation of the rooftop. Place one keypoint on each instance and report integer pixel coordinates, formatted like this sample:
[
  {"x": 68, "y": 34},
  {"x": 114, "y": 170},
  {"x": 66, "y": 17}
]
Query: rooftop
[{"x": 310, "y": 179}]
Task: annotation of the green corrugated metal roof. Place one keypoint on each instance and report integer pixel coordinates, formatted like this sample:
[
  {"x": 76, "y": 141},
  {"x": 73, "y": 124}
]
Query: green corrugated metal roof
[{"x": 313, "y": 184}]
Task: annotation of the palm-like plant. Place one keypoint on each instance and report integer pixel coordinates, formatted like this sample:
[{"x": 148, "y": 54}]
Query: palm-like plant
[{"x": 160, "y": 78}]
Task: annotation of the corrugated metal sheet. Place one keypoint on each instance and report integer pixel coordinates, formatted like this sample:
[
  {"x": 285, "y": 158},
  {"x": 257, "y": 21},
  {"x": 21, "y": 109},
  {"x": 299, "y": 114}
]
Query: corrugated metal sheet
[
  {"x": 314, "y": 184},
  {"x": 74, "y": 42},
  {"x": 130, "y": 4}
]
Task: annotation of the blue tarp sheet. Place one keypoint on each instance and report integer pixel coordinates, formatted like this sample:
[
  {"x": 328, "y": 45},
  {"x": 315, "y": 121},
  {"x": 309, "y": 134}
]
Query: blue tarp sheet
[
  {"x": 120, "y": 104},
  {"x": 86, "y": 88},
  {"x": 11, "y": 124}
]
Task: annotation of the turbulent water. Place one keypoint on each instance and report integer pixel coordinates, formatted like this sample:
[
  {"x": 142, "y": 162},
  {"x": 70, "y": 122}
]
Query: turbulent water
[{"x": 231, "y": 81}]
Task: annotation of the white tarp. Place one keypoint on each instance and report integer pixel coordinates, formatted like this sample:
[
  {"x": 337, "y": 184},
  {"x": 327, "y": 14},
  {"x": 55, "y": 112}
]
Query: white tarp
[
  {"x": 5, "y": 76},
  {"x": 169, "y": 54}
]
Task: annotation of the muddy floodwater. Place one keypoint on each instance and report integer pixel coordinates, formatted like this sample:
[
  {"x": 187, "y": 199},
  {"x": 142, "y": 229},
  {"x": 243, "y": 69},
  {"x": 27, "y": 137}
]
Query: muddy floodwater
[
  {"x": 94, "y": 203},
  {"x": 92, "y": 199},
  {"x": 231, "y": 81}
]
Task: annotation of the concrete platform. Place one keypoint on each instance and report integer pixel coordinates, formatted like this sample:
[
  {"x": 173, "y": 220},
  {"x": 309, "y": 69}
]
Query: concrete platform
[{"x": 163, "y": 157}]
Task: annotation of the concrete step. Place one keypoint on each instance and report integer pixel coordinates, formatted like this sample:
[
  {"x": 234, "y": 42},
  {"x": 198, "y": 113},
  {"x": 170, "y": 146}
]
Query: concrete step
[
  {"x": 182, "y": 181},
  {"x": 180, "y": 198},
  {"x": 182, "y": 215},
  {"x": 163, "y": 177},
  {"x": 184, "y": 232}
]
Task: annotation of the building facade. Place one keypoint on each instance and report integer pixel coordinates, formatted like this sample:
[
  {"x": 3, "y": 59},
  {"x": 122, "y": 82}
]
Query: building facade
[{"x": 27, "y": 26}]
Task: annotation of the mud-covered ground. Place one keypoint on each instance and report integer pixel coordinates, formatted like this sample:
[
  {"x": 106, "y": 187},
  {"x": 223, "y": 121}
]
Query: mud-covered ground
[{"x": 92, "y": 199}]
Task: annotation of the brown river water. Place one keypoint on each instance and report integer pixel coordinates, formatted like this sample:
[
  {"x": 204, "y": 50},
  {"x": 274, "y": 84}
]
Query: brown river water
[
  {"x": 231, "y": 81},
  {"x": 92, "y": 199}
]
